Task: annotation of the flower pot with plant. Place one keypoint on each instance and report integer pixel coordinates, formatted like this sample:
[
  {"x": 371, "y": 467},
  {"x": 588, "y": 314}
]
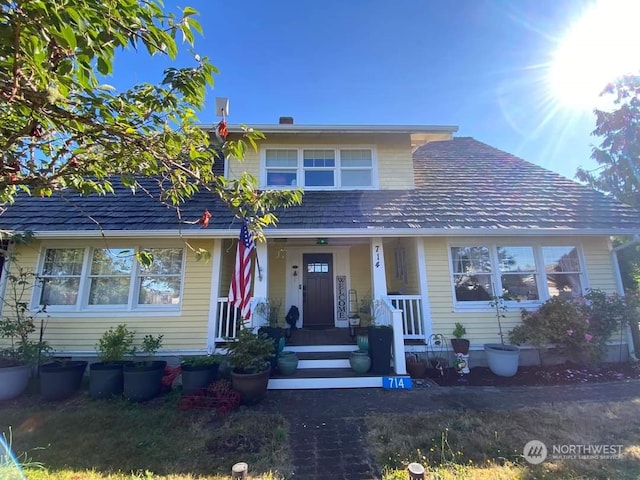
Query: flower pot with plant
[
  {"x": 198, "y": 372},
  {"x": 250, "y": 356},
  {"x": 360, "y": 361},
  {"x": 503, "y": 359},
  {"x": 61, "y": 378},
  {"x": 459, "y": 344},
  {"x": 21, "y": 353},
  {"x": 143, "y": 379},
  {"x": 106, "y": 377}
]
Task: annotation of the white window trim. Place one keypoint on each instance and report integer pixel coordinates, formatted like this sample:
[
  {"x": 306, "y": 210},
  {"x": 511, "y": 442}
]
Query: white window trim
[
  {"x": 82, "y": 307},
  {"x": 337, "y": 169},
  {"x": 541, "y": 276}
]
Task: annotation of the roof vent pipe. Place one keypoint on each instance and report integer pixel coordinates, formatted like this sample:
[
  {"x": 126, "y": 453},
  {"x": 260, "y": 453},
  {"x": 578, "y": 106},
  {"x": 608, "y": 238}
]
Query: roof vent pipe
[{"x": 286, "y": 121}]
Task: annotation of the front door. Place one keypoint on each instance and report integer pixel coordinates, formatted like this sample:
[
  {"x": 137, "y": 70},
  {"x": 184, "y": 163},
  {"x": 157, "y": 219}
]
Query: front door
[{"x": 317, "y": 289}]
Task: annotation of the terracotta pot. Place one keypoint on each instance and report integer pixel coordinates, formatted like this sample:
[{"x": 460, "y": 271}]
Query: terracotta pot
[{"x": 252, "y": 386}]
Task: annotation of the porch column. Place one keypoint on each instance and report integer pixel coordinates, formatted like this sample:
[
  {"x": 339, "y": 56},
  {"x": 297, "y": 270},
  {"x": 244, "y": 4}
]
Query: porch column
[
  {"x": 424, "y": 288},
  {"x": 216, "y": 266},
  {"x": 261, "y": 274},
  {"x": 378, "y": 277}
]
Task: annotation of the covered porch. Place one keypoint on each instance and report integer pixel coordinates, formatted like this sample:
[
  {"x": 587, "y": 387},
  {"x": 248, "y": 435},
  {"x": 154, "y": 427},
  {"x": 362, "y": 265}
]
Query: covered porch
[{"x": 334, "y": 283}]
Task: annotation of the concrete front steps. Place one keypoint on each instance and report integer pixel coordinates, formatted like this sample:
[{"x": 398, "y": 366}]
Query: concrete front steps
[{"x": 323, "y": 367}]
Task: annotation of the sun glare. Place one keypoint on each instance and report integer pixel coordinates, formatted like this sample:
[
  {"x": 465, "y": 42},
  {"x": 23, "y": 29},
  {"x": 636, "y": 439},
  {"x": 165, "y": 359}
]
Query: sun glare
[{"x": 602, "y": 45}]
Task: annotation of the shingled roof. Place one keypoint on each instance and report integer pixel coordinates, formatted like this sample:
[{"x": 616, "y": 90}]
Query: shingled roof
[{"x": 461, "y": 185}]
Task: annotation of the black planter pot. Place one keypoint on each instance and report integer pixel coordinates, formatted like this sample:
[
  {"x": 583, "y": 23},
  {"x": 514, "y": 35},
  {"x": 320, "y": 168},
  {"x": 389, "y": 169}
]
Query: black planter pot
[
  {"x": 196, "y": 378},
  {"x": 460, "y": 345},
  {"x": 278, "y": 336},
  {"x": 59, "y": 380},
  {"x": 143, "y": 380},
  {"x": 252, "y": 386},
  {"x": 106, "y": 379},
  {"x": 380, "y": 340}
]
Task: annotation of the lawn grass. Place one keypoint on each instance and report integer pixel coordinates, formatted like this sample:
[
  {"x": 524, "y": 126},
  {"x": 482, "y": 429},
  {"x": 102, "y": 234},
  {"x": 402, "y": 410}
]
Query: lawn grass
[
  {"x": 489, "y": 445},
  {"x": 117, "y": 439},
  {"x": 82, "y": 439}
]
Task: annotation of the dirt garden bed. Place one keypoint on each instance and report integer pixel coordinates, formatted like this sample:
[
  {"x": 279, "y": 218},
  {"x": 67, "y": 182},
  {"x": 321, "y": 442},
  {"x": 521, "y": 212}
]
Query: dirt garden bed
[{"x": 564, "y": 374}]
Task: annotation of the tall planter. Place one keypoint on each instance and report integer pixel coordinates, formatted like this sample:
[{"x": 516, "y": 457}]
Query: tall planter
[
  {"x": 59, "y": 380},
  {"x": 252, "y": 386},
  {"x": 502, "y": 359},
  {"x": 380, "y": 340},
  {"x": 106, "y": 379},
  {"x": 196, "y": 378},
  {"x": 14, "y": 381},
  {"x": 143, "y": 380}
]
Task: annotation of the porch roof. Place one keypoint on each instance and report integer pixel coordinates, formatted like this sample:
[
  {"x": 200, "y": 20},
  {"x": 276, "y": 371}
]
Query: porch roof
[{"x": 462, "y": 186}]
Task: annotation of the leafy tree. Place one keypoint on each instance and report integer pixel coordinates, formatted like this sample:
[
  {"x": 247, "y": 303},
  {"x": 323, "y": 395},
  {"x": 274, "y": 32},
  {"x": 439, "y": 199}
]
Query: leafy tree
[
  {"x": 618, "y": 156},
  {"x": 62, "y": 130}
]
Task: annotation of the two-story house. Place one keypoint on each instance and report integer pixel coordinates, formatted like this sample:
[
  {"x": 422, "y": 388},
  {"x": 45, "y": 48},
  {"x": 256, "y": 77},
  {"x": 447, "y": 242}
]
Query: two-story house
[{"x": 429, "y": 225}]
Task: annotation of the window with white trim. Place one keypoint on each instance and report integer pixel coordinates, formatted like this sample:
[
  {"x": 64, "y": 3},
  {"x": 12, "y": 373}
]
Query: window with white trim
[
  {"x": 319, "y": 168},
  {"x": 523, "y": 273},
  {"x": 109, "y": 278}
]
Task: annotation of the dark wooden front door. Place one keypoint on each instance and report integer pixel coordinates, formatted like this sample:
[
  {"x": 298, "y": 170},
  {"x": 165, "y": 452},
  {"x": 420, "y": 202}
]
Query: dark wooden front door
[{"x": 317, "y": 289}]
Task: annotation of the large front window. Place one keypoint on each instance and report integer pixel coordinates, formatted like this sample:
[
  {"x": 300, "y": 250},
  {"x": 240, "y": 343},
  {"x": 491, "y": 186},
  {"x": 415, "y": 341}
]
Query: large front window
[
  {"x": 111, "y": 278},
  {"x": 319, "y": 168},
  {"x": 522, "y": 273}
]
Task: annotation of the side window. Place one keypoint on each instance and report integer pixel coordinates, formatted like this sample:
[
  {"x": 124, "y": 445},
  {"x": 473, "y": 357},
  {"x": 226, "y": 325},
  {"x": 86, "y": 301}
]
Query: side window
[
  {"x": 60, "y": 276},
  {"x": 282, "y": 168},
  {"x": 518, "y": 273},
  {"x": 563, "y": 271},
  {"x": 160, "y": 284},
  {"x": 472, "y": 273}
]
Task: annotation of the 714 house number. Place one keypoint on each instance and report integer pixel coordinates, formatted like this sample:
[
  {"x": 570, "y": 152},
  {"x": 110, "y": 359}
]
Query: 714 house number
[{"x": 397, "y": 383}]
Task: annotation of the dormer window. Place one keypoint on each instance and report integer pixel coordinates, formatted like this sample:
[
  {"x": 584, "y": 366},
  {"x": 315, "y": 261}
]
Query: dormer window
[{"x": 319, "y": 168}]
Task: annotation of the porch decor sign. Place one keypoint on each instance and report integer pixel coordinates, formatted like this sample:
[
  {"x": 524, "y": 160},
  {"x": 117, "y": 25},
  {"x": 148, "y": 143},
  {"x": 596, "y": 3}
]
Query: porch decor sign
[{"x": 341, "y": 287}]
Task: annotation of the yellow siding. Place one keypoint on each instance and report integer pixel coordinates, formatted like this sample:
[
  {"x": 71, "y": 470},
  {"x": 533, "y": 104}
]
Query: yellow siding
[
  {"x": 599, "y": 266},
  {"x": 395, "y": 165},
  {"x": 360, "y": 267},
  {"x": 186, "y": 329},
  {"x": 277, "y": 281},
  {"x": 397, "y": 284}
]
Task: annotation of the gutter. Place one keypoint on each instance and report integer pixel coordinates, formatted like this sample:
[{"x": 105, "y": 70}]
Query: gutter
[{"x": 335, "y": 233}]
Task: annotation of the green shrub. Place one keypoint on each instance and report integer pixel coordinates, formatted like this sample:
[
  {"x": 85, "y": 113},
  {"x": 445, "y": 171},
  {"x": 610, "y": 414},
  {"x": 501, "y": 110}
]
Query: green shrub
[{"x": 579, "y": 328}]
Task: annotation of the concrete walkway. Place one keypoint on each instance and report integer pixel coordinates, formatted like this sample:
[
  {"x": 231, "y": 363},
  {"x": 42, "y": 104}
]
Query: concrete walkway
[{"x": 328, "y": 435}]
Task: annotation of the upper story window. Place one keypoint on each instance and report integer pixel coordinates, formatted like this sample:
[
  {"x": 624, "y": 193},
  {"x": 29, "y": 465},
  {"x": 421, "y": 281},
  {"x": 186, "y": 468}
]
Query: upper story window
[
  {"x": 319, "y": 168},
  {"x": 523, "y": 273},
  {"x": 77, "y": 279}
]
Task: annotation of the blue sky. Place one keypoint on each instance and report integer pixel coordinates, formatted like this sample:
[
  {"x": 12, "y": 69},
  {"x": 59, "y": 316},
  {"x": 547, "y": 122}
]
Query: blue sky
[{"x": 481, "y": 65}]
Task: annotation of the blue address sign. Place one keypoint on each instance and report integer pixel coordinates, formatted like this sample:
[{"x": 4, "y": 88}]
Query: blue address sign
[{"x": 397, "y": 383}]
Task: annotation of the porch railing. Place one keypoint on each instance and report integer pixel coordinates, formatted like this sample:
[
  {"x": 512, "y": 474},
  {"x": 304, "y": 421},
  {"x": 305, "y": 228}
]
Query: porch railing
[
  {"x": 228, "y": 320},
  {"x": 412, "y": 318}
]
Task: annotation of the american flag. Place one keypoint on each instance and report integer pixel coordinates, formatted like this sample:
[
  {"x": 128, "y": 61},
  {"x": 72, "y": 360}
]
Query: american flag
[{"x": 240, "y": 289}]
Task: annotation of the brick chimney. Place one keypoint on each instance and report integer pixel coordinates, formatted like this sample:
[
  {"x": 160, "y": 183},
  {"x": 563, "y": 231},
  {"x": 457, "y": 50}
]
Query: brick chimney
[{"x": 286, "y": 121}]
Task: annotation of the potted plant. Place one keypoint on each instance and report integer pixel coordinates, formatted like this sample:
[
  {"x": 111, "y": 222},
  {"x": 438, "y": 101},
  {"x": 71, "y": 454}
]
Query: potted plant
[
  {"x": 198, "y": 372},
  {"x": 61, "y": 378},
  {"x": 503, "y": 359},
  {"x": 143, "y": 379},
  {"x": 18, "y": 326},
  {"x": 250, "y": 356},
  {"x": 106, "y": 377},
  {"x": 459, "y": 344},
  {"x": 380, "y": 341}
]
